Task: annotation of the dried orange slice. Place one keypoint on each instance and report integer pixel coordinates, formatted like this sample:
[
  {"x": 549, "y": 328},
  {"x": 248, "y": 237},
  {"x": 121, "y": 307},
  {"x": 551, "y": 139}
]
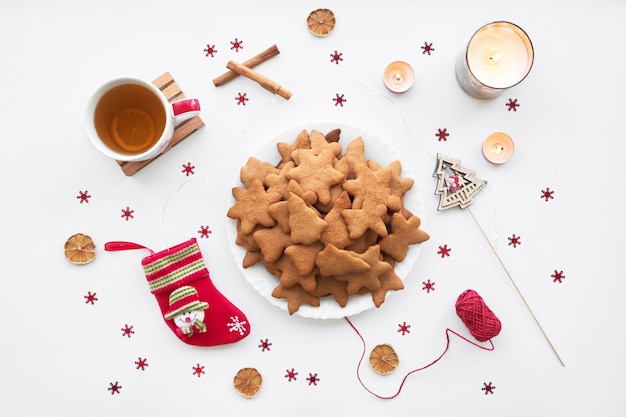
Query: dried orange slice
[
  {"x": 321, "y": 22},
  {"x": 248, "y": 382},
  {"x": 384, "y": 359},
  {"x": 80, "y": 249}
]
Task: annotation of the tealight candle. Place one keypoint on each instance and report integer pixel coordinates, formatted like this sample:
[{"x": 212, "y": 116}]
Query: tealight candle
[
  {"x": 498, "y": 148},
  {"x": 498, "y": 56},
  {"x": 398, "y": 77}
]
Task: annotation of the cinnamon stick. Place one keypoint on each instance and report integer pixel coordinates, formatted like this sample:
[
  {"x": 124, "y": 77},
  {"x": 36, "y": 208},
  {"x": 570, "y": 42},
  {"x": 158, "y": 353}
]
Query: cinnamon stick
[
  {"x": 270, "y": 52},
  {"x": 262, "y": 80}
]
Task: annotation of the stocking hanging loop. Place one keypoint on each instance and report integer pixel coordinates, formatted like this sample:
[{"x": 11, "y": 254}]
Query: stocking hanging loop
[{"x": 121, "y": 245}]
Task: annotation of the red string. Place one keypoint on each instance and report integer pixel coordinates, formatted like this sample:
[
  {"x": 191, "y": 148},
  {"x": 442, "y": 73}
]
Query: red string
[
  {"x": 472, "y": 310},
  {"x": 448, "y": 331},
  {"x": 478, "y": 318}
]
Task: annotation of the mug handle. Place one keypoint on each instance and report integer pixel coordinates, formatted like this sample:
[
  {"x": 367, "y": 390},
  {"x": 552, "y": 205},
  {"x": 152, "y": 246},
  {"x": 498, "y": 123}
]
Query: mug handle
[{"x": 185, "y": 109}]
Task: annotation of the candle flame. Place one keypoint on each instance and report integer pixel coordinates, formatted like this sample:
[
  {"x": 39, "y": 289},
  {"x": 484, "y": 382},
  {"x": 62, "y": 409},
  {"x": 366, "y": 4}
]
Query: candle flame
[
  {"x": 398, "y": 78},
  {"x": 497, "y": 148},
  {"x": 492, "y": 57}
]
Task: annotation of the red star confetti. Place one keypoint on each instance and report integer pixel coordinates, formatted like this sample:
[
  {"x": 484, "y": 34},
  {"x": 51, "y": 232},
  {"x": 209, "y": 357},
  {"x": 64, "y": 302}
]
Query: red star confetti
[
  {"x": 291, "y": 375},
  {"x": 204, "y": 231},
  {"x": 127, "y": 331},
  {"x": 557, "y": 276},
  {"x": 83, "y": 196},
  {"x": 312, "y": 379},
  {"x": 114, "y": 388},
  {"x": 404, "y": 328},
  {"x": 444, "y": 251},
  {"x": 127, "y": 213},
  {"x": 547, "y": 194},
  {"x": 188, "y": 169},
  {"x": 428, "y": 286},
  {"x": 241, "y": 99},
  {"x": 236, "y": 45},
  {"x": 512, "y": 105},
  {"x": 488, "y": 388},
  {"x": 210, "y": 50},
  {"x": 198, "y": 370},
  {"x": 141, "y": 363},
  {"x": 427, "y": 48},
  {"x": 90, "y": 298},
  {"x": 336, "y": 57},
  {"x": 442, "y": 135},
  {"x": 514, "y": 241},
  {"x": 264, "y": 345},
  {"x": 339, "y": 99}
]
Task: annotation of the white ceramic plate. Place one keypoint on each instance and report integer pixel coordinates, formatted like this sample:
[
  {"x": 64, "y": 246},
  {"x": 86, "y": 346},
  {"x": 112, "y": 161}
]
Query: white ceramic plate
[{"x": 377, "y": 149}]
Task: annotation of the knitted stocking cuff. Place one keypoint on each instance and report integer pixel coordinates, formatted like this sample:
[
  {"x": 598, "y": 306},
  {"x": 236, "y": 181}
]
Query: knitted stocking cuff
[{"x": 174, "y": 267}]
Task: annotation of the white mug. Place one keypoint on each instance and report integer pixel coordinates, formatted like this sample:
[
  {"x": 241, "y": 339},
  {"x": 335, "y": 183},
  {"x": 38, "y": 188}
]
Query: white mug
[{"x": 130, "y": 119}]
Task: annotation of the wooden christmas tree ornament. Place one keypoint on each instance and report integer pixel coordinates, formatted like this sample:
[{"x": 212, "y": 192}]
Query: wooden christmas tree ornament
[{"x": 456, "y": 185}]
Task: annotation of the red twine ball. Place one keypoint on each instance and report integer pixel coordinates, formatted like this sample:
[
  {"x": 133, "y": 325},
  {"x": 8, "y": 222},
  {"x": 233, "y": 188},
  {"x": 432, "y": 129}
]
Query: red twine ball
[{"x": 478, "y": 318}]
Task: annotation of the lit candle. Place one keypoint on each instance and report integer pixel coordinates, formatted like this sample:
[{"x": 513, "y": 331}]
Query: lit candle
[
  {"x": 498, "y": 56},
  {"x": 498, "y": 148},
  {"x": 398, "y": 77}
]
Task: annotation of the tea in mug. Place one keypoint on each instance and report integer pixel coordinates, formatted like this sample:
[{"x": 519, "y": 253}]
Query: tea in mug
[{"x": 129, "y": 118}]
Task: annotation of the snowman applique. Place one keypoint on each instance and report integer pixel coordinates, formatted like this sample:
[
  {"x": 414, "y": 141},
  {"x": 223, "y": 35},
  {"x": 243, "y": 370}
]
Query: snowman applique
[{"x": 187, "y": 312}]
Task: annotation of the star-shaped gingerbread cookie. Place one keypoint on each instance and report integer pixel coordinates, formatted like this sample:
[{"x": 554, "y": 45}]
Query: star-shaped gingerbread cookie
[
  {"x": 316, "y": 173},
  {"x": 251, "y": 206}
]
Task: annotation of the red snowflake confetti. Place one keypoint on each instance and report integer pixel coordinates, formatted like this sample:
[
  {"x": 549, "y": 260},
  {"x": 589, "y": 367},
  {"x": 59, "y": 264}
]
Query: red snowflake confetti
[
  {"x": 515, "y": 240},
  {"x": 90, "y": 298},
  {"x": 291, "y": 375},
  {"x": 127, "y": 331},
  {"x": 427, "y": 48},
  {"x": 241, "y": 98},
  {"x": 127, "y": 213},
  {"x": 428, "y": 286},
  {"x": 210, "y": 50},
  {"x": 488, "y": 388},
  {"x": 83, "y": 196},
  {"x": 404, "y": 328},
  {"x": 141, "y": 363},
  {"x": 336, "y": 57},
  {"x": 442, "y": 135},
  {"x": 265, "y": 345},
  {"x": 312, "y": 379},
  {"x": 444, "y": 251},
  {"x": 512, "y": 105},
  {"x": 557, "y": 276},
  {"x": 547, "y": 194},
  {"x": 339, "y": 99},
  {"x": 188, "y": 169},
  {"x": 115, "y": 388},
  {"x": 204, "y": 231},
  {"x": 236, "y": 45},
  {"x": 198, "y": 370}
]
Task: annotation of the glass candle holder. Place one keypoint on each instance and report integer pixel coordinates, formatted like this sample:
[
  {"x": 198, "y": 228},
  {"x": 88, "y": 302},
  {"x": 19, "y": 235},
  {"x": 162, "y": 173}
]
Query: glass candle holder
[
  {"x": 498, "y": 148},
  {"x": 398, "y": 77},
  {"x": 498, "y": 56}
]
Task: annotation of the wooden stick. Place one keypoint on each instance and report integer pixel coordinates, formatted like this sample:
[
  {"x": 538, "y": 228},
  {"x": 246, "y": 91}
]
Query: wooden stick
[
  {"x": 262, "y": 80},
  {"x": 270, "y": 52},
  {"x": 493, "y": 249}
]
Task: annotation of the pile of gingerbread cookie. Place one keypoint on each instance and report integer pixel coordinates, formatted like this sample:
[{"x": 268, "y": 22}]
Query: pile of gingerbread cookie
[{"x": 324, "y": 222}]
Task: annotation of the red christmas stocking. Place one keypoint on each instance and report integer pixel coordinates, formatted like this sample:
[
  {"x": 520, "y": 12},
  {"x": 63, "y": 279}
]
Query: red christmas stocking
[{"x": 192, "y": 307}]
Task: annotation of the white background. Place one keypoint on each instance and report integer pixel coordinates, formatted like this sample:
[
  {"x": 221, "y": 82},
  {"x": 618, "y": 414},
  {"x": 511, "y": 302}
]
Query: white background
[{"x": 59, "y": 354}]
